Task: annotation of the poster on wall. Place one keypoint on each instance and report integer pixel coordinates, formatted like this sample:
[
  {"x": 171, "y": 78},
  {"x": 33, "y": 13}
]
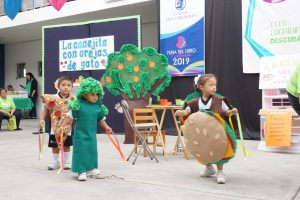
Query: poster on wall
[
  {"x": 182, "y": 36},
  {"x": 275, "y": 71},
  {"x": 85, "y": 54},
  {"x": 270, "y": 28},
  {"x": 278, "y": 129}
]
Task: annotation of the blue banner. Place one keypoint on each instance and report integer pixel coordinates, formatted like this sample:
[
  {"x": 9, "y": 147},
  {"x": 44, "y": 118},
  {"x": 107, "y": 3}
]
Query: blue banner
[
  {"x": 182, "y": 36},
  {"x": 12, "y": 7}
]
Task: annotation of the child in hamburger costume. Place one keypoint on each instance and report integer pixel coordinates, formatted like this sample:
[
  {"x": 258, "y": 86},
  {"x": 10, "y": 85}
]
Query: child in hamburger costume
[{"x": 208, "y": 136}]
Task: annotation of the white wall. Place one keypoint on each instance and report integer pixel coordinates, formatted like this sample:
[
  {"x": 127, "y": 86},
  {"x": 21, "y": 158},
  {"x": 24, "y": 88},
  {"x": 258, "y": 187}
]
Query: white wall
[
  {"x": 31, "y": 53},
  {"x": 26, "y": 52},
  {"x": 150, "y": 35}
]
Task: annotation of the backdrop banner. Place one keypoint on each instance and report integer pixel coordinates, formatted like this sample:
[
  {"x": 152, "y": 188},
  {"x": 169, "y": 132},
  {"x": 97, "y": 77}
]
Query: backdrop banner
[
  {"x": 182, "y": 36},
  {"x": 270, "y": 28},
  {"x": 85, "y": 54}
]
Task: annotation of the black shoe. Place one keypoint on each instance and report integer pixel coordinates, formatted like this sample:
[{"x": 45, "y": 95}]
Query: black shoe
[
  {"x": 35, "y": 133},
  {"x": 19, "y": 129}
]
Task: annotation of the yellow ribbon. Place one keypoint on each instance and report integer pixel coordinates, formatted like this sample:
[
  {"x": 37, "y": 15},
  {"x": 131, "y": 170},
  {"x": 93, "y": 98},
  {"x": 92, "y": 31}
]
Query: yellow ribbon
[
  {"x": 41, "y": 143},
  {"x": 43, "y": 137},
  {"x": 241, "y": 144}
]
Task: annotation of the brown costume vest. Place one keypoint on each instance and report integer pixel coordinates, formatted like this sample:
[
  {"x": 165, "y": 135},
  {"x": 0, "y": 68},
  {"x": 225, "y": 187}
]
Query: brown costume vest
[{"x": 216, "y": 106}]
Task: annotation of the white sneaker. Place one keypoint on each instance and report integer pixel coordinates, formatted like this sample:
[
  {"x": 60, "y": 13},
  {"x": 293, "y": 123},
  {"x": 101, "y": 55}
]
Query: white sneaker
[
  {"x": 67, "y": 165},
  {"x": 221, "y": 178},
  {"x": 82, "y": 176},
  {"x": 93, "y": 173},
  {"x": 53, "y": 166},
  {"x": 209, "y": 171}
]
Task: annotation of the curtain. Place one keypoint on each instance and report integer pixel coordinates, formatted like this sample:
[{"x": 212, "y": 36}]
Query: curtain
[{"x": 223, "y": 57}]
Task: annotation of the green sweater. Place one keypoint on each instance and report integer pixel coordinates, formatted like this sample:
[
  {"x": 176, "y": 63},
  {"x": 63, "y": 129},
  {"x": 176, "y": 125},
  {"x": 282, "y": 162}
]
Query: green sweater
[
  {"x": 7, "y": 104},
  {"x": 293, "y": 86}
]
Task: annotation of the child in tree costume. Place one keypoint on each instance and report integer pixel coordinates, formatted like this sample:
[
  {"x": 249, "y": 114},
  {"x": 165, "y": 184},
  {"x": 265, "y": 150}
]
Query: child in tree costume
[
  {"x": 87, "y": 110},
  {"x": 208, "y": 136}
]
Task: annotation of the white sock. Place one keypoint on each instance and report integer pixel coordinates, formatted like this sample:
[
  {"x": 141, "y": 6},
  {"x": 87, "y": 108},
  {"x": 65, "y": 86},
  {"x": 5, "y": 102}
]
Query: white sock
[
  {"x": 67, "y": 157},
  {"x": 209, "y": 166},
  {"x": 55, "y": 157}
]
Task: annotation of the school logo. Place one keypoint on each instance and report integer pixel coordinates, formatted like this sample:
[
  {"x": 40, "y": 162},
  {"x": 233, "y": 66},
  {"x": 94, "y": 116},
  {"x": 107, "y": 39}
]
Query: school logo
[
  {"x": 181, "y": 43},
  {"x": 180, "y": 4}
]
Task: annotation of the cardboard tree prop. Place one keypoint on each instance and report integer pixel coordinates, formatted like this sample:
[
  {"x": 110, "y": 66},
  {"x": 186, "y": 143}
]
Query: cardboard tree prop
[
  {"x": 209, "y": 138},
  {"x": 136, "y": 75}
]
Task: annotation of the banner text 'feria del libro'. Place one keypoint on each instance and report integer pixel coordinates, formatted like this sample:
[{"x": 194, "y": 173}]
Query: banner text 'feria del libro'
[
  {"x": 182, "y": 36},
  {"x": 270, "y": 28}
]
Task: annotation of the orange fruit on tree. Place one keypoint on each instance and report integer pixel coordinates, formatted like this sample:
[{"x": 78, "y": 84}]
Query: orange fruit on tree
[
  {"x": 129, "y": 57},
  {"x": 107, "y": 79},
  {"x": 120, "y": 66},
  {"x": 136, "y": 79},
  {"x": 151, "y": 64},
  {"x": 136, "y": 68}
]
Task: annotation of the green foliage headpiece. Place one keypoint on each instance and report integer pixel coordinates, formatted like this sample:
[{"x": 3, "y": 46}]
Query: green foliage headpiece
[{"x": 90, "y": 85}]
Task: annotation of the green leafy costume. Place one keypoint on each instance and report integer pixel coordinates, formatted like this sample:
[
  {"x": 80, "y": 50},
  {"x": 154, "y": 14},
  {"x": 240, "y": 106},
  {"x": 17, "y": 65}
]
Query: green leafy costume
[{"x": 86, "y": 116}]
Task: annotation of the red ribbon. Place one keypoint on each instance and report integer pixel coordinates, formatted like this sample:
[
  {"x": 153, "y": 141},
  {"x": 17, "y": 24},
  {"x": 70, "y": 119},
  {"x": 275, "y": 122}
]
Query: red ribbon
[
  {"x": 182, "y": 120},
  {"x": 115, "y": 143}
]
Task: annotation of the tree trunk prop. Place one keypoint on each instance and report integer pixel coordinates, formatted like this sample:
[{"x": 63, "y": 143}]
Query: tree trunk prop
[
  {"x": 136, "y": 103},
  {"x": 136, "y": 75}
]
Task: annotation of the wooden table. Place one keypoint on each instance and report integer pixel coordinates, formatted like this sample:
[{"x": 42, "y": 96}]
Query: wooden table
[{"x": 179, "y": 146}]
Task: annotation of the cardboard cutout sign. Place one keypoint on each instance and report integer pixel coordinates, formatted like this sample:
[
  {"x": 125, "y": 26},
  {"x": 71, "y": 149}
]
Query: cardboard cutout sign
[{"x": 278, "y": 129}]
